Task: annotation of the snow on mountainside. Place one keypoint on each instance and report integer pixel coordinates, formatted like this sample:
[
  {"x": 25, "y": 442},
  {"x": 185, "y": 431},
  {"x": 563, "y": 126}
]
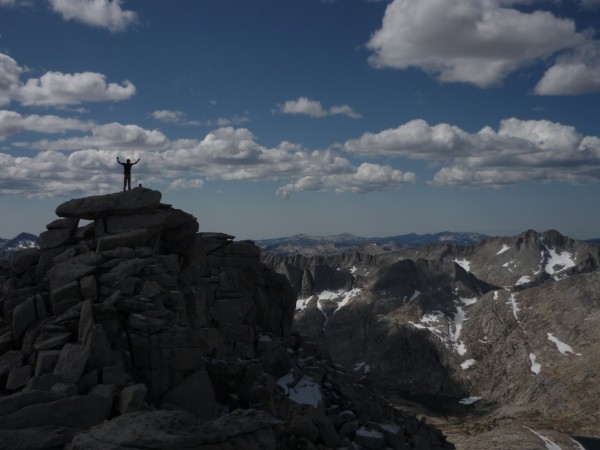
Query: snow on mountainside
[
  {"x": 508, "y": 326},
  {"x": 20, "y": 242}
]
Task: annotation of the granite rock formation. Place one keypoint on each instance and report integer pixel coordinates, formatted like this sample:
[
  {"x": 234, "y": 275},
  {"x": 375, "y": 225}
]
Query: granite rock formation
[{"x": 134, "y": 330}]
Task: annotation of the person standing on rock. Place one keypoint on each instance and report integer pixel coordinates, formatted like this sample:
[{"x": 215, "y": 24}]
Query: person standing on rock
[{"x": 127, "y": 172}]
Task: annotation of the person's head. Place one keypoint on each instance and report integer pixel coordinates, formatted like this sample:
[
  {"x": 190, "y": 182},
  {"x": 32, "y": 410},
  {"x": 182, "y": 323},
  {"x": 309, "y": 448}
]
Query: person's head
[{"x": 128, "y": 160}]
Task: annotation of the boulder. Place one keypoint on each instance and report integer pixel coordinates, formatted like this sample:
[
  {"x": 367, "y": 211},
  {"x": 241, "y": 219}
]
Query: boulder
[
  {"x": 71, "y": 362},
  {"x": 195, "y": 395},
  {"x": 131, "y": 398},
  {"x": 18, "y": 377},
  {"x": 121, "y": 203},
  {"x": 302, "y": 426}
]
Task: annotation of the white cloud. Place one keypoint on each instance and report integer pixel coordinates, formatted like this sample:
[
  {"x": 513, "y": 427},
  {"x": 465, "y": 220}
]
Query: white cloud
[
  {"x": 471, "y": 41},
  {"x": 111, "y": 136},
  {"x": 415, "y": 140},
  {"x": 574, "y": 73},
  {"x": 165, "y": 115},
  {"x": 313, "y": 108},
  {"x": 520, "y": 151},
  {"x": 365, "y": 178},
  {"x": 12, "y": 123},
  {"x": 56, "y": 88},
  {"x": 182, "y": 183},
  {"x": 98, "y": 13},
  {"x": 569, "y": 79}
]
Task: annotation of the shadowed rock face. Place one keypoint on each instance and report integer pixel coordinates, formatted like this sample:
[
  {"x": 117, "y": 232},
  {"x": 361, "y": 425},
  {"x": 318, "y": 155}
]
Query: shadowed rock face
[{"x": 137, "y": 331}]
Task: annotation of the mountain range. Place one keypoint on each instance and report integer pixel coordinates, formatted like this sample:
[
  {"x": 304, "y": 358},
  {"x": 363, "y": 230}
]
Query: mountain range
[{"x": 495, "y": 342}]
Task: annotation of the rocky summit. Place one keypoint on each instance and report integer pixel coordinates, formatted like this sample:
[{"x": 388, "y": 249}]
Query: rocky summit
[
  {"x": 129, "y": 329},
  {"x": 496, "y": 343}
]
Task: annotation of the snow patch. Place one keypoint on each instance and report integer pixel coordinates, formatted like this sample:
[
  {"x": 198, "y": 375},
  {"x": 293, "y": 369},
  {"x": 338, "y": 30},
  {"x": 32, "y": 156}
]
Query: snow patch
[
  {"x": 469, "y": 400},
  {"x": 463, "y": 263},
  {"x": 562, "y": 261},
  {"x": 341, "y": 297},
  {"x": 561, "y": 346},
  {"x": 302, "y": 303},
  {"x": 515, "y": 306},
  {"x": 524, "y": 279},
  {"x": 305, "y": 392},
  {"x": 353, "y": 269},
  {"x": 535, "y": 366},
  {"x": 414, "y": 296},
  {"x": 550, "y": 444},
  {"x": 459, "y": 319},
  {"x": 503, "y": 249},
  {"x": 468, "y": 363}
]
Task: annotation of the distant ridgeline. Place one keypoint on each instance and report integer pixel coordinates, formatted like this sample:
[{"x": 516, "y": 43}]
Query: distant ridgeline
[{"x": 20, "y": 242}]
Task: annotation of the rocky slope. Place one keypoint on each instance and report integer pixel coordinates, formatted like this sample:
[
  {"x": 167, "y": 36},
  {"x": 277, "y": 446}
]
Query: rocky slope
[
  {"x": 134, "y": 331},
  {"x": 8, "y": 247},
  {"x": 504, "y": 331}
]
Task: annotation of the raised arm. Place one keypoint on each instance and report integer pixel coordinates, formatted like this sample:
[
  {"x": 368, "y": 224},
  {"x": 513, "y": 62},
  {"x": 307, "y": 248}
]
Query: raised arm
[{"x": 137, "y": 161}]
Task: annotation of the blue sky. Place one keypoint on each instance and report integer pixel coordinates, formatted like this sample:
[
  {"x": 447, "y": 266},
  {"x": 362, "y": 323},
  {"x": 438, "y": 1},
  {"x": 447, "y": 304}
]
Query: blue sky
[{"x": 266, "y": 118}]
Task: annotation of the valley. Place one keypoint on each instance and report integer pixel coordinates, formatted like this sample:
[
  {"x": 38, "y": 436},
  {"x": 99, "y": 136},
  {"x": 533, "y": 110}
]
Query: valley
[{"x": 494, "y": 342}]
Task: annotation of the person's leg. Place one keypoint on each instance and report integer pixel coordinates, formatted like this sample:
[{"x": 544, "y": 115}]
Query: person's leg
[
  {"x": 129, "y": 182},
  {"x": 124, "y": 182}
]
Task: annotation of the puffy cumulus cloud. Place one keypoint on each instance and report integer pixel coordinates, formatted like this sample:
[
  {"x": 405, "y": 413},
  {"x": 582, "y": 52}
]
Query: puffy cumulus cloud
[
  {"x": 472, "y": 41},
  {"x": 56, "y": 88},
  {"x": 165, "y": 115},
  {"x": 519, "y": 151},
  {"x": 12, "y": 123},
  {"x": 577, "y": 72},
  {"x": 98, "y": 13},
  {"x": 112, "y": 136},
  {"x": 569, "y": 79},
  {"x": 313, "y": 108},
  {"x": 233, "y": 154},
  {"x": 365, "y": 178},
  {"x": 415, "y": 140}
]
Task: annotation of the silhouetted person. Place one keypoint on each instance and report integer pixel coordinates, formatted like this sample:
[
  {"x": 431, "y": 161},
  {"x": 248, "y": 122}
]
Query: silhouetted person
[{"x": 127, "y": 172}]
